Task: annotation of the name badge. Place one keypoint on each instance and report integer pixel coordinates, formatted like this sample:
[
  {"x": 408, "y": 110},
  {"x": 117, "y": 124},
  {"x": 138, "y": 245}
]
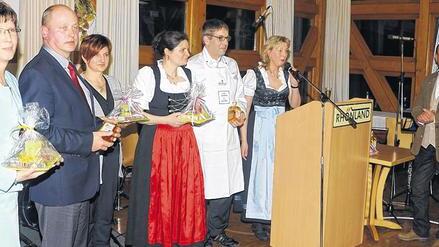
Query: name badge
[{"x": 223, "y": 97}]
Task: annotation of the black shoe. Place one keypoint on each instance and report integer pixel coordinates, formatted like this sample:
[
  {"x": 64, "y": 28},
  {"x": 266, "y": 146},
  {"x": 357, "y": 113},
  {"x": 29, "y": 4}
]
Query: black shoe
[
  {"x": 226, "y": 241},
  {"x": 260, "y": 231},
  {"x": 208, "y": 242}
]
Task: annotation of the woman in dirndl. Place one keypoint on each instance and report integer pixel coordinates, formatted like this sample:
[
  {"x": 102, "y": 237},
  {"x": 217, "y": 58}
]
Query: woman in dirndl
[
  {"x": 269, "y": 89},
  {"x": 167, "y": 206}
]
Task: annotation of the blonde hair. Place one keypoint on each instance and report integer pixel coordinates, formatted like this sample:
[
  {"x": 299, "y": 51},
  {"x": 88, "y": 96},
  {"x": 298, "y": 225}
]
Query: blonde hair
[{"x": 272, "y": 42}]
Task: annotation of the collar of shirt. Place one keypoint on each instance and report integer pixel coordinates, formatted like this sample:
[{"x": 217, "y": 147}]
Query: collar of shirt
[
  {"x": 64, "y": 62},
  {"x": 220, "y": 63}
]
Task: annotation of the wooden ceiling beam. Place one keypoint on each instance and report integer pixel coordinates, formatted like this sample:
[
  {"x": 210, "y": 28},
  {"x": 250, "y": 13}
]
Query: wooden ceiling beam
[
  {"x": 195, "y": 17},
  {"x": 240, "y": 4},
  {"x": 376, "y": 82},
  {"x": 307, "y": 49},
  {"x": 247, "y": 59},
  {"x": 385, "y": 8},
  {"x": 382, "y": 63},
  {"x": 424, "y": 36},
  {"x": 305, "y": 8}
]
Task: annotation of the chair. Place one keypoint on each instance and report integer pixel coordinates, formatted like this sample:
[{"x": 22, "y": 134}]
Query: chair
[{"x": 128, "y": 143}]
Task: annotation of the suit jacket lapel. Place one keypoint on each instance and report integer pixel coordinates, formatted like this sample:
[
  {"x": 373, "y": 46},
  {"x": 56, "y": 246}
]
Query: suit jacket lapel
[
  {"x": 66, "y": 79},
  {"x": 430, "y": 88}
]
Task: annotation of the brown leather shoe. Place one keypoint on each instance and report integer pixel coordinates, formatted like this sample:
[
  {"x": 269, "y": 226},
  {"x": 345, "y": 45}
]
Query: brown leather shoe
[{"x": 411, "y": 236}]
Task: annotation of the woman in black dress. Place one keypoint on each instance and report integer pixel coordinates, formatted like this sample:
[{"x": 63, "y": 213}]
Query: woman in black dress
[{"x": 95, "y": 53}]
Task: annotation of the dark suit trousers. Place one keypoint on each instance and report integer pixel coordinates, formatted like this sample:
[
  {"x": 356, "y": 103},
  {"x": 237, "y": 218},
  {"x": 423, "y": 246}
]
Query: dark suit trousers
[
  {"x": 218, "y": 214},
  {"x": 64, "y": 225},
  {"x": 424, "y": 168},
  {"x": 103, "y": 204}
]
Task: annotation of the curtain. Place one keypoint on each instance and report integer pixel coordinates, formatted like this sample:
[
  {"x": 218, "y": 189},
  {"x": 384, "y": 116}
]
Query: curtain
[
  {"x": 336, "y": 51},
  {"x": 435, "y": 67},
  {"x": 119, "y": 21},
  {"x": 30, "y": 40},
  {"x": 280, "y": 21}
]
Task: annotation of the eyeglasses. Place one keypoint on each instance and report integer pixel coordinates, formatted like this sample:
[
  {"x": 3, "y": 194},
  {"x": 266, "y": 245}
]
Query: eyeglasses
[
  {"x": 10, "y": 31},
  {"x": 221, "y": 38}
]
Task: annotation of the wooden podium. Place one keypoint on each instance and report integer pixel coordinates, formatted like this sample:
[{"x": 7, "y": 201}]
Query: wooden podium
[{"x": 304, "y": 137}]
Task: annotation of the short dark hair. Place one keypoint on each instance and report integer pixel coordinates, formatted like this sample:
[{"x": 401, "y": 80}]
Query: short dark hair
[
  {"x": 92, "y": 44},
  {"x": 7, "y": 14},
  {"x": 212, "y": 25},
  {"x": 167, "y": 39}
]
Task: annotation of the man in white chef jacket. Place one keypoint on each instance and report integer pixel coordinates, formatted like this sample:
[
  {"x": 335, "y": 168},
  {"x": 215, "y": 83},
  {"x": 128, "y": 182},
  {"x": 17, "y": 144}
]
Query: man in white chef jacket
[{"x": 218, "y": 140}]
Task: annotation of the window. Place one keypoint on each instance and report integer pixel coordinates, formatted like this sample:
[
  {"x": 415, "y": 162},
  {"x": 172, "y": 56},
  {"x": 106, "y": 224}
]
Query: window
[
  {"x": 407, "y": 85},
  {"x": 240, "y": 25},
  {"x": 301, "y": 29},
  {"x": 159, "y": 15},
  {"x": 358, "y": 88},
  {"x": 376, "y": 34}
]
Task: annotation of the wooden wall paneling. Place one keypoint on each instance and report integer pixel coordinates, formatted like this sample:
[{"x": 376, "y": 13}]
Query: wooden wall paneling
[
  {"x": 423, "y": 41},
  {"x": 260, "y": 34},
  {"x": 310, "y": 62},
  {"x": 434, "y": 8},
  {"x": 195, "y": 17},
  {"x": 376, "y": 82},
  {"x": 246, "y": 59},
  {"x": 385, "y": 63},
  {"x": 146, "y": 55},
  {"x": 240, "y": 4},
  {"x": 311, "y": 41},
  {"x": 319, "y": 23},
  {"x": 384, "y": 9},
  {"x": 305, "y": 9}
]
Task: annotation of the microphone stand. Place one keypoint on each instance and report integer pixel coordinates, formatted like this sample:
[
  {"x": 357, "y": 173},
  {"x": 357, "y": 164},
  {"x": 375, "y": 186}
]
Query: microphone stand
[
  {"x": 262, "y": 19},
  {"x": 323, "y": 99},
  {"x": 400, "y": 97}
]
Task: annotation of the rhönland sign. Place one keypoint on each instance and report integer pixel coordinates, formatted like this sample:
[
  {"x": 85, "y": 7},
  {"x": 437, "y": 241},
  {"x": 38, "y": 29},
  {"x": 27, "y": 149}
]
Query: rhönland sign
[{"x": 360, "y": 112}]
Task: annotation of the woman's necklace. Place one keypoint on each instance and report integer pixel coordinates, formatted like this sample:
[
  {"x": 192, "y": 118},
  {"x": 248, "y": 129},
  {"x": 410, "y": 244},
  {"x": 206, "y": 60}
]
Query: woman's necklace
[
  {"x": 273, "y": 74},
  {"x": 99, "y": 84},
  {"x": 171, "y": 77}
]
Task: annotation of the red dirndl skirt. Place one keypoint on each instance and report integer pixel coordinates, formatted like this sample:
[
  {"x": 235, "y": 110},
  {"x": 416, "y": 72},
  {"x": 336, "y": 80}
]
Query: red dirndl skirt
[{"x": 177, "y": 213}]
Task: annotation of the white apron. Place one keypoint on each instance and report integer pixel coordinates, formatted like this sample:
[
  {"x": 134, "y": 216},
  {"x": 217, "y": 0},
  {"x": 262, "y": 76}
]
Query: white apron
[{"x": 218, "y": 141}]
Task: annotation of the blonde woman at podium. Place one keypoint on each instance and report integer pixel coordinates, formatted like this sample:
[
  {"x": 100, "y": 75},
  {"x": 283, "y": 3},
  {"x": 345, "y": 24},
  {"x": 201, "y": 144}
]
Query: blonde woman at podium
[{"x": 269, "y": 89}]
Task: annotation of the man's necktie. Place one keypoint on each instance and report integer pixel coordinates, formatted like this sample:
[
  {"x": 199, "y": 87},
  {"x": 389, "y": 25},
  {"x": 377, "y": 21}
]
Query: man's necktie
[{"x": 74, "y": 78}]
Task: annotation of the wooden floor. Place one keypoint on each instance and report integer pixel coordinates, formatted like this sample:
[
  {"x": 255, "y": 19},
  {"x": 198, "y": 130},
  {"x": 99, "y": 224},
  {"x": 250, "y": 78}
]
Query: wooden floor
[{"x": 243, "y": 234}]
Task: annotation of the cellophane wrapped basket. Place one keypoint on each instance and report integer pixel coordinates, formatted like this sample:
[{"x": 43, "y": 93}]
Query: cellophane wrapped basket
[
  {"x": 126, "y": 109},
  {"x": 32, "y": 150},
  {"x": 196, "y": 112}
]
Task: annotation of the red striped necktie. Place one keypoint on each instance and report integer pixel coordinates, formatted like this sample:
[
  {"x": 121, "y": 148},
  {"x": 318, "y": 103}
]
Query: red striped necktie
[{"x": 74, "y": 78}]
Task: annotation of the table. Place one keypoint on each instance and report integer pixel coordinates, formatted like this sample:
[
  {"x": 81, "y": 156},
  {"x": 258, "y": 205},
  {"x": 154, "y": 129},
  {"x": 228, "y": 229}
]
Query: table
[{"x": 386, "y": 158}]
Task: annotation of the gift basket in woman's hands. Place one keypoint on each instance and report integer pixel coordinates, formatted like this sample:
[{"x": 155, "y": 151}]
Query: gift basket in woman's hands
[
  {"x": 196, "y": 112},
  {"x": 126, "y": 109},
  {"x": 32, "y": 150}
]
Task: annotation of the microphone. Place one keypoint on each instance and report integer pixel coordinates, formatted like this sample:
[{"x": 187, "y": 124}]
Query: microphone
[
  {"x": 294, "y": 72},
  {"x": 397, "y": 37},
  {"x": 261, "y": 18}
]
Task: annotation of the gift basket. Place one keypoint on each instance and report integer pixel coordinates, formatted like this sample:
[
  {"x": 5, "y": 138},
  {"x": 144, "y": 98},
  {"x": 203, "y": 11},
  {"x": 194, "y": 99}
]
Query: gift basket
[
  {"x": 32, "y": 150},
  {"x": 126, "y": 109},
  {"x": 196, "y": 112}
]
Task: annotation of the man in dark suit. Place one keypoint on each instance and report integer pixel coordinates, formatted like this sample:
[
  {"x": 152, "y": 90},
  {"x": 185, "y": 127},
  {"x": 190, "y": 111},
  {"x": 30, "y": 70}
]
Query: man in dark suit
[
  {"x": 62, "y": 196},
  {"x": 425, "y": 144}
]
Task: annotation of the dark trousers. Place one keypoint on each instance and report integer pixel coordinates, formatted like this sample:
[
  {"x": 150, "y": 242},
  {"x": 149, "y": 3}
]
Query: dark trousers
[
  {"x": 64, "y": 225},
  {"x": 424, "y": 168},
  {"x": 218, "y": 214},
  {"x": 102, "y": 207}
]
